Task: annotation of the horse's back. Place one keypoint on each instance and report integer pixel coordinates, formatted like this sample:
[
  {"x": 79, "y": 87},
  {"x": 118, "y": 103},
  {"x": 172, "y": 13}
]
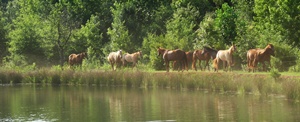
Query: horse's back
[
  {"x": 198, "y": 54},
  {"x": 72, "y": 57},
  {"x": 173, "y": 55}
]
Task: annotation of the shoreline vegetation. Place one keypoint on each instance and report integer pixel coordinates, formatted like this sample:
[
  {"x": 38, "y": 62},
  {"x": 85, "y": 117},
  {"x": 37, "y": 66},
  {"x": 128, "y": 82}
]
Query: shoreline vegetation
[{"x": 237, "y": 82}]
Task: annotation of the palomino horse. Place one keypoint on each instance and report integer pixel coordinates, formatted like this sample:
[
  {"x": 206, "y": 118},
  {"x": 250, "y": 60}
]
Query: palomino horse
[
  {"x": 259, "y": 55},
  {"x": 225, "y": 56},
  {"x": 115, "y": 58},
  {"x": 76, "y": 59},
  {"x": 132, "y": 58},
  {"x": 199, "y": 55},
  {"x": 189, "y": 56},
  {"x": 173, "y": 55}
]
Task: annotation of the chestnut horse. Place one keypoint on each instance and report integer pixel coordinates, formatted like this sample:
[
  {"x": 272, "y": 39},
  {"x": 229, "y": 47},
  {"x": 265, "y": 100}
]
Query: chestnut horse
[
  {"x": 259, "y": 55},
  {"x": 173, "y": 55},
  {"x": 115, "y": 58},
  {"x": 132, "y": 58},
  {"x": 225, "y": 56},
  {"x": 199, "y": 55},
  {"x": 189, "y": 56},
  {"x": 76, "y": 59}
]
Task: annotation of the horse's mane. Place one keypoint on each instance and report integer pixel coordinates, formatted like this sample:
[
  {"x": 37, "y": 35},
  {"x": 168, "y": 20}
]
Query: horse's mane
[
  {"x": 268, "y": 48},
  {"x": 209, "y": 49}
]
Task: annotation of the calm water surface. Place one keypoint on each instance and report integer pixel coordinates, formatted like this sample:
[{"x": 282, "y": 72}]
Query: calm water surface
[{"x": 94, "y": 103}]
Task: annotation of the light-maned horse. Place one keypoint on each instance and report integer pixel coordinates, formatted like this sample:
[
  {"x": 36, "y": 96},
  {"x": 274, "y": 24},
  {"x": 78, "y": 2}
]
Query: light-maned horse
[
  {"x": 199, "y": 55},
  {"x": 115, "y": 58},
  {"x": 225, "y": 56},
  {"x": 76, "y": 59},
  {"x": 260, "y": 55},
  {"x": 189, "y": 57},
  {"x": 173, "y": 55},
  {"x": 134, "y": 57}
]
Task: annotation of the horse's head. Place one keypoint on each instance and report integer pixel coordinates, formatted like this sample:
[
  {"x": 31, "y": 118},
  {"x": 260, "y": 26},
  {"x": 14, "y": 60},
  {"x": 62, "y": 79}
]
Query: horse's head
[
  {"x": 119, "y": 54},
  {"x": 233, "y": 48},
  {"x": 140, "y": 54},
  {"x": 271, "y": 49},
  {"x": 160, "y": 51},
  {"x": 205, "y": 49},
  {"x": 82, "y": 55}
]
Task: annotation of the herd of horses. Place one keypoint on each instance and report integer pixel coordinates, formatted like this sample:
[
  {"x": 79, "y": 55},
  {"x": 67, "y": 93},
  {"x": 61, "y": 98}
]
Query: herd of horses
[{"x": 182, "y": 59}]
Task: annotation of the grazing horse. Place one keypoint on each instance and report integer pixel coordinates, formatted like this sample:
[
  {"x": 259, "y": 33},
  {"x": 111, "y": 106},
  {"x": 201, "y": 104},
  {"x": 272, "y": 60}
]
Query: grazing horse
[
  {"x": 76, "y": 59},
  {"x": 199, "y": 55},
  {"x": 225, "y": 56},
  {"x": 259, "y": 55},
  {"x": 173, "y": 55},
  {"x": 132, "y": 58},
  {"x": 115, "y": 58},
  {"x": 189, "y": 56}
]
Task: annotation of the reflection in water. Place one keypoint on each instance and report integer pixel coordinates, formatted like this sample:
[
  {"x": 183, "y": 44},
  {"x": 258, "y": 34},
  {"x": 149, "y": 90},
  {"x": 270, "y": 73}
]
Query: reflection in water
[{"x": 91, "y": 103}]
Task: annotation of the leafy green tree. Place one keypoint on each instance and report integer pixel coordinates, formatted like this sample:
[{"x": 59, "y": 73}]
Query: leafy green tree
[
  {"x": 281, "y": 16},
  {"x": 119, "y": 35},
  {"x": 62, "y": 26},
  {"x": 225, "y": 24},
  {"x": 180, "y": 29},
  {"x": 3, "y": 34},
  {"x": 89, "y": 36},
  {"x": 150, "y": 45},
  {"x": 206, "y": 34},
  {"x": 24, "y": 35}
]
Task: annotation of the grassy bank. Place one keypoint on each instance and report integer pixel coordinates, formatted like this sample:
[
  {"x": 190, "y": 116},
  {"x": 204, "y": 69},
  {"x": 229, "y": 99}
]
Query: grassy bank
[{"x": 234, "y": 82}]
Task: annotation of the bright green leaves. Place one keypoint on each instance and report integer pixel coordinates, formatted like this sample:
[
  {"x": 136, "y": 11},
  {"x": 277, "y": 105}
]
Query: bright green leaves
[{"x": 119, "y": 36}]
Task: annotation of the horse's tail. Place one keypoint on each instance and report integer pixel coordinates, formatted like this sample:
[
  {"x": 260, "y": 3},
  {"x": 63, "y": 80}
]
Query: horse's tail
[{"x": 215, "y": 63}]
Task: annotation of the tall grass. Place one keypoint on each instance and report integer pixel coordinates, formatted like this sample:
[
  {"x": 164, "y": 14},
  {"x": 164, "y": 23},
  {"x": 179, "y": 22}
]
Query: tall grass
[{"x": 223, "y": 82}]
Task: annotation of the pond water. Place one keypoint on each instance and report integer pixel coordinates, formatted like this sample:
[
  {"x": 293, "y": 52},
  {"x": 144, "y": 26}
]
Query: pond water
[{"x": 95, "y": 103}]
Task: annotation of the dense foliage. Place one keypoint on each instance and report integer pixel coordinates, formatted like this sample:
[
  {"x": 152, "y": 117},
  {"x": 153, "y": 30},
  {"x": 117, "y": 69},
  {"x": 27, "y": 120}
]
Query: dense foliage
[{"x": 44, "y": 33}]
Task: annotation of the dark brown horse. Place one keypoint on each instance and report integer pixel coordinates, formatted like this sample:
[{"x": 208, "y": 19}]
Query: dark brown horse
[
  {"x": 76, "y": 59},
  {"x": 199, "y": 55},
  {"x": 189, "y": 56},
  {"x": 260, "y": 55},
  {"x": 173, "y": 55}
]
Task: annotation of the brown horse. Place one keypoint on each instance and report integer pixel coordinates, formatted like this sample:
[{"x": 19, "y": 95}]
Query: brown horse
[
  {"x": 200, "y": 55},
  {"x": 259, "y": 55},
  {"x": 76, "y": 59},
  {"x": 132, "y": 58},
  {"x": 189, "y": 56},
  {"x": 226, "y": 57},
  {"x": 115, "y": 58},
  {"x": 173, "y": 55}
]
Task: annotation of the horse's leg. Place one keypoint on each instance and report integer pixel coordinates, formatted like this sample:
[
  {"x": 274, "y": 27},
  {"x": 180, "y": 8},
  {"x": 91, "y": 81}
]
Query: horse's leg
[
  {"x": 133, "y": 64},
  {"x": 167, "y": 66},
  {"x": 183, "y": 65},
  {"x": 264, "y": 66},
  {"x": 200, "y": 64},
  {"x": 194, "y": 64},
  {"x": 112, "y": 65},
  {"x": 174, "y": 65},
  {"x": 229, "y": 66},
  {"x": 206, "y": 65},
  {"x": 269, "y": 63},
  {"x": 217, "y": 65}
]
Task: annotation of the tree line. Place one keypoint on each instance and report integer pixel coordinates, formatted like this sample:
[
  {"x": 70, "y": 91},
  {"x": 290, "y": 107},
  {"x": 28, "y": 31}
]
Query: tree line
[{"x": 46, "y": 32}]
